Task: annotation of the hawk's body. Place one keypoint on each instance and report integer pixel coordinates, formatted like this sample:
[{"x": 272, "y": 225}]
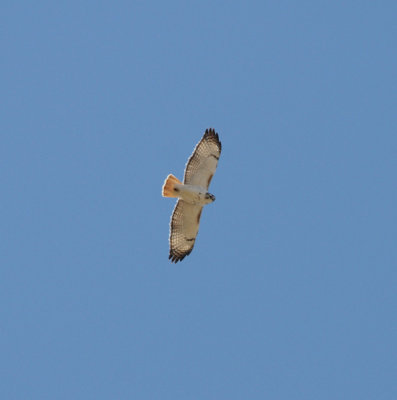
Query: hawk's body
[{"x": 193, "y": 194}]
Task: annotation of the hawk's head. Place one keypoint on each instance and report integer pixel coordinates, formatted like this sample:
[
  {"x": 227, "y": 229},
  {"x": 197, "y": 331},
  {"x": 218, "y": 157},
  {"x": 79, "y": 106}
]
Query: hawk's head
[{"x": 209, "y": 197}]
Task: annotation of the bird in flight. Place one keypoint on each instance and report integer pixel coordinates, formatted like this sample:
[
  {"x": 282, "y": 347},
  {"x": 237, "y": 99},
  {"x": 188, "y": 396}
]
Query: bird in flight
[{"x": 192, "y": 194}]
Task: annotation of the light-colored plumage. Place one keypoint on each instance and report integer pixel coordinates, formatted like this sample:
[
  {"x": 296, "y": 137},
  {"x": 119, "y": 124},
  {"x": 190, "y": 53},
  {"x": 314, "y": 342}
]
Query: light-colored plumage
[
  {"x": 193, "y": 194},
  {"x": 169, "y": 186}
]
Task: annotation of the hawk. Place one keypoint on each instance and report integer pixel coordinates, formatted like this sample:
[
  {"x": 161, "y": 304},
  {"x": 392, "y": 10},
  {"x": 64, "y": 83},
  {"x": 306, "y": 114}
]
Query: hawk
[{"x": 192, "y": 194}]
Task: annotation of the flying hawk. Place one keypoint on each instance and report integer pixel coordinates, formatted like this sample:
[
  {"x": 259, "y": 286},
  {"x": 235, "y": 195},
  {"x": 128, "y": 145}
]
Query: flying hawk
[{"x": 192, "y": 194}]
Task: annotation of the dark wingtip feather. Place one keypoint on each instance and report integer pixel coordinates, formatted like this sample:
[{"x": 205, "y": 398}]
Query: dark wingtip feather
[
  {"x": 175, "y": 256},
  {"x": 210, "y": 133}
]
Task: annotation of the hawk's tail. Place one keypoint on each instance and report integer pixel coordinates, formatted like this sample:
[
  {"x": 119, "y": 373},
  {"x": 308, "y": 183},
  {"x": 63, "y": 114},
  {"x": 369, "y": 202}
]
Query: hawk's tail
[{"x": 169, "y": 186}]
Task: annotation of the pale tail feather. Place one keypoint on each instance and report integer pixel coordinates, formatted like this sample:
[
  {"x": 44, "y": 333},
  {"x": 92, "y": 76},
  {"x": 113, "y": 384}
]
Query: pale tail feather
[{"x": 169, "y": 186}]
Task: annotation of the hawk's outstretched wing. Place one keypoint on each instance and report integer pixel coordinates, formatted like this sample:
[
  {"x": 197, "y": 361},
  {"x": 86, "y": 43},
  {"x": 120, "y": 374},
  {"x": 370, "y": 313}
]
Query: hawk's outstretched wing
[
  {"x": 185, "y": 223},
  {"x": 202, "y": 164}
]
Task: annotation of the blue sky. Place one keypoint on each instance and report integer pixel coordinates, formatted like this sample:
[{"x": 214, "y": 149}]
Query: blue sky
[{"x": 290, "y": 292}]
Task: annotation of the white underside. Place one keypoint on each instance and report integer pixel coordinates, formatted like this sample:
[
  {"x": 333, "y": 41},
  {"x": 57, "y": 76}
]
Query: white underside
[{"x": 192, "y": 194}]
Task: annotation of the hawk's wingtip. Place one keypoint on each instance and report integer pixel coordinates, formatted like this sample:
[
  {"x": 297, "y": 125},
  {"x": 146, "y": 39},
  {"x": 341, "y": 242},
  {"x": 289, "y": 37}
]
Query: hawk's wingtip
[{"x": 210, "y": 132}]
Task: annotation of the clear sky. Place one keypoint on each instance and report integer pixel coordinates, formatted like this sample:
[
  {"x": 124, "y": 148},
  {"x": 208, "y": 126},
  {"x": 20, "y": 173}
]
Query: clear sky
[{"x": 290, "y": 292}]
